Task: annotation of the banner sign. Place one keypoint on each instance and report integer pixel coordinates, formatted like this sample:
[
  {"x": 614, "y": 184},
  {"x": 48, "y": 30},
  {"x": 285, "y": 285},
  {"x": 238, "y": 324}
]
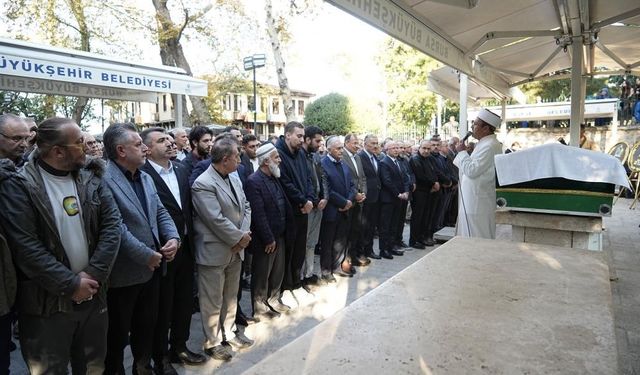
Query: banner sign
[
  {"x": 39, "y": 65},
  {"x": 41, "y": 86}
]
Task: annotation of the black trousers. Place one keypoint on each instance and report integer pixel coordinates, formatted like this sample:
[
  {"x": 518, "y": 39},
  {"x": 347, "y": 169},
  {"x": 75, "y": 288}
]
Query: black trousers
[
  {"x": 452, "y": 214},
  {"x": 49, "y": 343},
  {"x": 418, "y": 216},
  {"x": 295, "y": 253},
  {"x": 443, "y": 208},
  {"x": 132, "y": 309},
  {"x": 354, "y": 245},
  {"x": 387, "y": 226},
  {"x": 266, "y": 281},
  {"x": 175, "y": 304},
  {"x": 399, "y": 228},
  {"x": 430, "y": 219},
  {"x": 370, "y": 217},
  {"x": 5, "y": 342},
  {"x": 333, "y": 242}
]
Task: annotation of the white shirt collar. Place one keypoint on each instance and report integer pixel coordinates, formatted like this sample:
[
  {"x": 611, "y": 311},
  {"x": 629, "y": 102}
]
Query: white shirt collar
[{"x": 160, "y": 169}]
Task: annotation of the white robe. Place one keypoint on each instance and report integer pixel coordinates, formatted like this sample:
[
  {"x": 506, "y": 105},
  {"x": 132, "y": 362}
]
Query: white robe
[{"x": 477, "y": 198}]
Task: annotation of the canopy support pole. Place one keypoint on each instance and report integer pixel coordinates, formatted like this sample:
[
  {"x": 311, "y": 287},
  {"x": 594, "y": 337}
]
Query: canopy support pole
[
  {"x": 179, "y": 111},
  {"x": 577, "y": 103},
  {"x": 464, "y": 126}
]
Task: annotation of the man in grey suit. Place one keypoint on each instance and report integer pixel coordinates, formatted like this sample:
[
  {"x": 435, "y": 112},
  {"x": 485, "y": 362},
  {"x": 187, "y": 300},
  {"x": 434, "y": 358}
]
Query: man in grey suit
[
  {"x": 149, "y": 238},
  {"x": 221, "y": 222},
  {"x": 355, "y": 250}
]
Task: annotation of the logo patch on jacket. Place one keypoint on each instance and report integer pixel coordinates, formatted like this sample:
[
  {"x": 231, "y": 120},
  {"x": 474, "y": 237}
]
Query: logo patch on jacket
[{"x": 70, "y": 205}]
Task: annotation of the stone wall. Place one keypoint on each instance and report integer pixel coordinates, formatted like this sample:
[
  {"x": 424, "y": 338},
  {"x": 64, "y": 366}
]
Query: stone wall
[{"x": 604, "y": 136}]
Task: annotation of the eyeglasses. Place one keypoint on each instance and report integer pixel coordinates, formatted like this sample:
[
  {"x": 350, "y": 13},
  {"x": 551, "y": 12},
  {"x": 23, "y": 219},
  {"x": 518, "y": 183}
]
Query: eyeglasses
[{"x": 17, "y": 138}]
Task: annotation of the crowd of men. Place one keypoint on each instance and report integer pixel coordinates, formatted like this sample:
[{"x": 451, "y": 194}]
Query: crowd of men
[{"x": 104, "y": 247}]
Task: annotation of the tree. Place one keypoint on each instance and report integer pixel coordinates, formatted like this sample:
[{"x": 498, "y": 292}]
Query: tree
[
  {"x": 331, "y": 113},
  {"x": 410, "y": 104}
]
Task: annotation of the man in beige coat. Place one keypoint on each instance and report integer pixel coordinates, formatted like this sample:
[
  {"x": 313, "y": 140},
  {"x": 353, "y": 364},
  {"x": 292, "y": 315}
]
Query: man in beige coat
[{"x": 221, "y": 220}]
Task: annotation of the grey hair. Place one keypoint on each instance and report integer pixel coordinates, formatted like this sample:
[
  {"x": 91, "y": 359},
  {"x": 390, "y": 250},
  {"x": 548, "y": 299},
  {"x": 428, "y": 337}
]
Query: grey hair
[
  {"x": 115, "y": 135},
  {"x": 332, "y": 140},
  {"x": 9, "y": 117},
  {"x": 222, "y": 147}
]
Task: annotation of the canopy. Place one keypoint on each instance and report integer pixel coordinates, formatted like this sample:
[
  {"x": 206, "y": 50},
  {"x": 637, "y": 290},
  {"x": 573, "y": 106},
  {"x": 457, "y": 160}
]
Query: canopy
[{"x": 29, "y": 67}]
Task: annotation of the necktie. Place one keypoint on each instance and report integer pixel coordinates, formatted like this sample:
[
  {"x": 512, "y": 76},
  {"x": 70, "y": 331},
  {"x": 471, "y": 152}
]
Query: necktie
[
  {"x": 373, "y": 162},
  {"x": 398, "y": 165}
]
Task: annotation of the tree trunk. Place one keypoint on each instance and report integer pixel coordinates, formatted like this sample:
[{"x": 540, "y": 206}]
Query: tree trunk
[
  {"x": 283, "y": 82},
  {"x": 77, "y": 8},
  {"x": 172, "y": 54}
]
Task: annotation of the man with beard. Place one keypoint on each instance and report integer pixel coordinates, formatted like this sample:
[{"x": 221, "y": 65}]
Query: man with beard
[
  {"x": 270, "y": 213},
  {"x": 477, "y": 205},
  {"x": 313, "y": 139},
  {"x": 296, "y": 180},
  {"x": 249, "y": 159},
  {"x": 176, "y": 286},
  {"x": 200, "y": 139},
  {"x": 63, "y": 224}
]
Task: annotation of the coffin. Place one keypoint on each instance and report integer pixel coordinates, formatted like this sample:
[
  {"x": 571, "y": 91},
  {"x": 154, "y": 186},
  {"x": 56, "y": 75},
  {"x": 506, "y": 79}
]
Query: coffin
[{"x": 558, "y": 179}]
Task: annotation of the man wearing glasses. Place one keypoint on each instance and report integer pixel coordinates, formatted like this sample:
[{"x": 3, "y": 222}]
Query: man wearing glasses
[
  {"x": 64, "y": 227},
  {"x": 14, "y": 138}
]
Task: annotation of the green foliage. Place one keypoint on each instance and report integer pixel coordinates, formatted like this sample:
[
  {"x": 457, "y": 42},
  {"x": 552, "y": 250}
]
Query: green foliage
[
  {"x": 560, "y": 90},
  {"x": 331, "y": 113},
  {"x": 410, "y": 104}
]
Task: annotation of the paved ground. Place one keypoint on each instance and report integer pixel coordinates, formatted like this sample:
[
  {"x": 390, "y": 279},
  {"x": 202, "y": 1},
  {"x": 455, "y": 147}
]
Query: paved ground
[{"x": 622, "y": 245}]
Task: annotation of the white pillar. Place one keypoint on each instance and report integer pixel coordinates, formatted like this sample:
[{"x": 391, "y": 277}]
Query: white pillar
[
  {"x": 503, "y": 124},
  {"x": 178, "y": 111},
  {"x": 577, "y": 103},
  {"x": 464, "y": 128},
  {"x": 439, "y": 103}
]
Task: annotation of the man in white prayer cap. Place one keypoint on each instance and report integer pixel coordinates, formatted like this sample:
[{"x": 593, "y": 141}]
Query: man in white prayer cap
[{"x": 477, "y": 202}]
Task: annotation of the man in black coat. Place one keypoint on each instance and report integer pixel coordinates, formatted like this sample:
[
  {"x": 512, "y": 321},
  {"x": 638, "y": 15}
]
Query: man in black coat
[
  {"x": 371, "y": 206},
  {"x": 295, "y": 178},
  {"x": 200, "y": 139},
  {"x": 395, "y": 190},
  {"x": 421, "y": 205},
  {"x": 271, "y": 220},
  {"x": 176, "y": 285}
]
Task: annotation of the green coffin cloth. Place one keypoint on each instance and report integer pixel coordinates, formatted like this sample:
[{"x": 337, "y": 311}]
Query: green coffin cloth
[{"x": 558, "y": 195}]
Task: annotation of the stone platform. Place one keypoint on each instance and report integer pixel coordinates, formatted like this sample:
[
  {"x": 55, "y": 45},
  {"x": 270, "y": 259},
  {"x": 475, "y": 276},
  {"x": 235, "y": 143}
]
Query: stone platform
[{"x": 470, "y": 306}]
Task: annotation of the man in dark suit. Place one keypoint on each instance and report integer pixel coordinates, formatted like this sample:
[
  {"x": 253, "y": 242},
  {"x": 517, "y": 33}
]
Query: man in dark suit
[
  {"x": 200, "y": 139},
  {"x": 176, "y": 287},
  {"x": 395, "y": 190},
  {"x": 149, "y": 238},
  {"x": 271, "y": 213},
  {"x": 249, "y": 159},
  {"x": 355, "y": 251},
  {"x": 421, "y": 205},
  {"x": 341, "y": 191},
  {"x": 371, "y": 205},
  {"x": 403, "y": 159}
]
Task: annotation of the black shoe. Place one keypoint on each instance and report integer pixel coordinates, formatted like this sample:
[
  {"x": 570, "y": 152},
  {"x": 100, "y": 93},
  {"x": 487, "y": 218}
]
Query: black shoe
[
  {"x": 328, "y": 278},
  {"x": 360, "y": 261},
  {"x": 186, "y": 357},
  {"x": 266, "y": 315},
  {"x": 163, "y": 367},
  {"x": 430, "y": 242},
  {"x": 241, "y": 319},
  {"x": 311, "y": 280},
  {"x": 396, "y": 252},
  {"x": 140, "y": 369},
  {"x": 221, "y": 352},
  {"x": 385, "y": 254},
  {"x": 341, "y": 273},
  {"x": 417, "y": 245},
  {"x": 373, "y": 256},
  {"x": 402, "y": 244}
]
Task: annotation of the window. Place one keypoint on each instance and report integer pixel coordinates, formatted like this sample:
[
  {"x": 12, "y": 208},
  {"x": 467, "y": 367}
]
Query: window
[
  {"x": 157, "y": 105},
  {"x": 293, "y": 106},
  {"x": 275, "y": 106},
  {"x": 237, "y": 103},
  {"x": 226, "y": 102},
  {"x": 133, "y": 109},
  {"x": 301, "y": 107},
  {"x": 250, "y": 102},
  {"x": 263, "y": 104},
  {"x": 164, "y": 103},
  {"x": 272, "y": 128}
]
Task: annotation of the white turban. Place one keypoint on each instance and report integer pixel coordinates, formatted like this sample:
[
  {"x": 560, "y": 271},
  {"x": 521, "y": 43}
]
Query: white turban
[
  {"x": 490, "y": 118},
  {"x": 264, "y": 152}
]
